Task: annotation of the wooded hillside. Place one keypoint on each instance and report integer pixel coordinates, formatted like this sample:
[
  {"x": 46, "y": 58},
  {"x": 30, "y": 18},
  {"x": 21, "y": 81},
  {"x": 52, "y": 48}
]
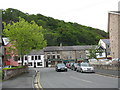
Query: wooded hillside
[{"x": 58, "y": 31}]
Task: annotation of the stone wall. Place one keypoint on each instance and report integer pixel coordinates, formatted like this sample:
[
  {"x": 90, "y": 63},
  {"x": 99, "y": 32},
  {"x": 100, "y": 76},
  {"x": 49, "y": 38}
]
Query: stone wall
[
  {"x": 108, "y": 67},
  {"x": 9, "y": 73}
]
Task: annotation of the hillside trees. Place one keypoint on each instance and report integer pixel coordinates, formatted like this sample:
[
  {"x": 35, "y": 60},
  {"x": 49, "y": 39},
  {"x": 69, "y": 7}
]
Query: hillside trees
[{"x": 58, "y": 31}]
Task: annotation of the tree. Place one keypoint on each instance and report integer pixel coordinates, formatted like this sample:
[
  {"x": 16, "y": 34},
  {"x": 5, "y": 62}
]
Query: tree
[
  {"x": 24, "y": 36},
  {"x": 93, "y": 52}
]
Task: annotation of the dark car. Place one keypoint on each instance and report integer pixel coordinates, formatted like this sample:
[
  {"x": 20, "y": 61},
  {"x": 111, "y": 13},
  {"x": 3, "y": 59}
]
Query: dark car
[
  {"x": 61, "y": 67},
  {"x": 74, "y": 66}
]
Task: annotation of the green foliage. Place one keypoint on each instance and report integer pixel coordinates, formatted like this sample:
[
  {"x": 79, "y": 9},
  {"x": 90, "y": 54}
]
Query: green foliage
[
  {"x": 58, "y": 31},
  {"x": 92, "y": 53},
  {"x": 24, "y": 36},
  {"x": 14, "y": 67}
]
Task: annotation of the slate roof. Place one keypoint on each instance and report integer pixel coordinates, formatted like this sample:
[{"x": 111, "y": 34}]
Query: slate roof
[
  {"x": 60, "y": 48},
  {"x": 115, "y": 12},
  {"x": 35, "y": 52},
  {"x": 67, "y": 48},
  {"x": 106, "y": 41}
]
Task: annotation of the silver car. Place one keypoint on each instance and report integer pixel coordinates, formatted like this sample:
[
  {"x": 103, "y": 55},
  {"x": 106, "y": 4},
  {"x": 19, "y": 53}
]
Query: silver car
[{"x": 85, "y": 67}]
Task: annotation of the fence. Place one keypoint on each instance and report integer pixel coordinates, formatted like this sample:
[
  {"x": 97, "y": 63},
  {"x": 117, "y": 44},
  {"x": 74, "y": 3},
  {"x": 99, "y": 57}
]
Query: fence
[{"x": 9, "y": 73}]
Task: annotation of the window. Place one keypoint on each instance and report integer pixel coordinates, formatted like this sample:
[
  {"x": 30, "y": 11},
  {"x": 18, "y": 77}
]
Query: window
[
  {"x": 26, "y": 58},
  {"x": 48, "y": 53},
  {"x": 48, "y": 57},
  {"x": 15, "y": 58},
  {"x": 80, "y": 56},
  {"x": 108, "y": 53},
  {"x": 100, "y": 54},
  {"x": 19, "y": 64},
  {"x": 58, "y": 56},
  {"x": 18, "y": 58},
  {"x": 35, "y": 57},
  {"x": 32, "y": 57},
  {"x": 8, "y": 57},
  {"x": 53, "y": 52},
  {"x": 39, "y": 57},
  {"x": 39, "y": 64},
  {"x": 53, "y": 56},
  {"x": 30, "y": 64}
]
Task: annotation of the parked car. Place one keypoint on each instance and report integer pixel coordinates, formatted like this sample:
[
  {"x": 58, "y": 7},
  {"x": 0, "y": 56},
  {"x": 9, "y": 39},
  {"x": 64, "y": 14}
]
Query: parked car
[
  {"x": 61, "y": 67},
  {"x": 85, "y": 67},
  {"x": 74, "y": 66},
  {"x": 68, "y": 65},
  {"x": 71, "y": 65},
  {"x": 115, "y": 60}
]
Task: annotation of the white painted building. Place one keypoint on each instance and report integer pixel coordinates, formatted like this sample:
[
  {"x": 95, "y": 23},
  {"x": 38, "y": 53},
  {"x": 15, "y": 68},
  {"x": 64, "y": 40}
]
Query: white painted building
[
  {"x": 104, "y": 45},
  {"x": 34, "y": 59}
]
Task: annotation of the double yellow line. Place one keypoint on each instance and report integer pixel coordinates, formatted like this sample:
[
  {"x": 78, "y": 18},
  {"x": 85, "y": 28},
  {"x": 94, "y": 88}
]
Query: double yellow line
[{"x": 37, "y": 85}]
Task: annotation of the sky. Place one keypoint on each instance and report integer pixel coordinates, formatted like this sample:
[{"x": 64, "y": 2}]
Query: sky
[{"x": 93, "y": 13}]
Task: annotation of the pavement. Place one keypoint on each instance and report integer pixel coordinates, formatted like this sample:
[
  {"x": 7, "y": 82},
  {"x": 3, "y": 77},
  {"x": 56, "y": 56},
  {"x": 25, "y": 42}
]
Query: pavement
[{"x": 22, "y": 81}]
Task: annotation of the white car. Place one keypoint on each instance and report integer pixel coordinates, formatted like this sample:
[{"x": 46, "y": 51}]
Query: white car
[{"x": 85, "y": 67}]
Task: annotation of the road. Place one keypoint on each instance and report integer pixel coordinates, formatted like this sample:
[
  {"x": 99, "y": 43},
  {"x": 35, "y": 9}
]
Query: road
[{"x": 49, "y": 78}]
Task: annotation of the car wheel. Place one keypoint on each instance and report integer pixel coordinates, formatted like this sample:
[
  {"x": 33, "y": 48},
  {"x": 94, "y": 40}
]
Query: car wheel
[
  {"x": 81, "y": 70},
  {"x": 57, "y": 70},
  {"x": 74, "y": 69}
]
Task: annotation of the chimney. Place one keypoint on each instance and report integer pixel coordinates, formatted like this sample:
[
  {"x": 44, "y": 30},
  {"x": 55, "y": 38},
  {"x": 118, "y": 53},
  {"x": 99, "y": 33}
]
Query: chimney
[{"x": 60, "y": 44}]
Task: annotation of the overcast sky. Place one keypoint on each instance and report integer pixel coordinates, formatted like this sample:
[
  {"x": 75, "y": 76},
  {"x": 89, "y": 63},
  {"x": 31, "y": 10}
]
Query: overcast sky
[{"x": 92, "y": 13}]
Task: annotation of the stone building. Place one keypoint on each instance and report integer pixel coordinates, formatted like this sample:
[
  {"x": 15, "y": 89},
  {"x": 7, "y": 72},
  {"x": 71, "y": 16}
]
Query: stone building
[
  {"x": 56, "y": 54},
  {"x": 114, "y": 33}
]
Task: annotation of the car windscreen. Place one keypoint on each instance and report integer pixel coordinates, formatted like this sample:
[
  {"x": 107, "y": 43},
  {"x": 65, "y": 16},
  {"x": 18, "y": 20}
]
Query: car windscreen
[
  {"x": 85, "y": 64},
  {"x": 76, "y": 64},
  {"x": 61, "y": 65}
]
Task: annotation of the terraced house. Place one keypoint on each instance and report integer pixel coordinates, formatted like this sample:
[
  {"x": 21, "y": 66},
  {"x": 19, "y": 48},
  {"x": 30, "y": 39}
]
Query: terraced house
[{"x": 56, "y": 54}]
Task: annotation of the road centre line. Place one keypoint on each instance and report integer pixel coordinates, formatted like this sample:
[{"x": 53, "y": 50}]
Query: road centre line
[{"x": 81, "y": 79}]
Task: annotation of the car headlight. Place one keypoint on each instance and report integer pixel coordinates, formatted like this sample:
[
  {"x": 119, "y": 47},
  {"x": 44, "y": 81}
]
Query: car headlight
[
  {"x": 58, "y": 68},
  {"x": 65, "y": 67}
]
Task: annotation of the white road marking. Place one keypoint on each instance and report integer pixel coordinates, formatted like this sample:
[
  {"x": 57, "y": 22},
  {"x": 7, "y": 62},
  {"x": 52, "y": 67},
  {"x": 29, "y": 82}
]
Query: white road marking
[
  {"x": 81, "y": 79},
  {"x": 105, "y": 76}
]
